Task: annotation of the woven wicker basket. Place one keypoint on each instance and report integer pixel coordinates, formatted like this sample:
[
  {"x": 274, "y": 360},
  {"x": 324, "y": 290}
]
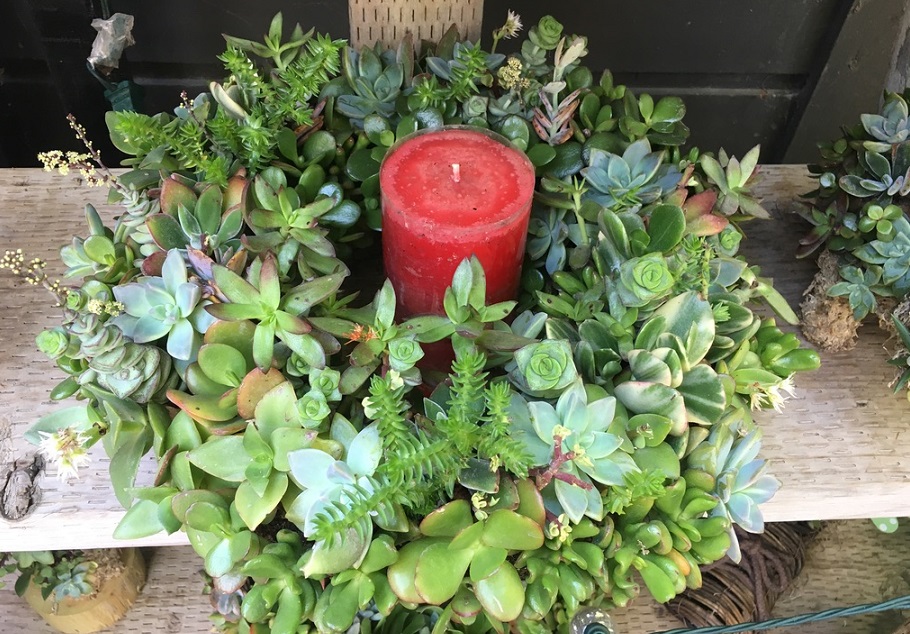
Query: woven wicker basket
[
  {"x": 387, "y": 21},
  {"x": 739, "y": 593}
]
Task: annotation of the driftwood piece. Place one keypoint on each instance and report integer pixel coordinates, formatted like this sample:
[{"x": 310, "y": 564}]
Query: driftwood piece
[{"x": 19, "y": 490}]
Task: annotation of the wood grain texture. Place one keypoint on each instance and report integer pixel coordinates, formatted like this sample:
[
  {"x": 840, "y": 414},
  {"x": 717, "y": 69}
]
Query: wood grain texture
[
  {"x": 386, "y": 21},
  {"x": 841, "y": 447}
]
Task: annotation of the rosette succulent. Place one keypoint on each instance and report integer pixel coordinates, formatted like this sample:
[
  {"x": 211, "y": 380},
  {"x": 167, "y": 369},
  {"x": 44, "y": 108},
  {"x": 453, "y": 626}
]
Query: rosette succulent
[
  {"x": 209, "y": 221},
  {"x": 638, "y": 177},
  {"x": 326, "y": 481},
  {"x": 100, "y": 255},
  {"x": 644, "y": 280},
  {"x": 170, "y": 305},
  {"x": 892, "y": 124},
  {"x": 732, "y": 177},
  {"x": 275, "y": 311},
  {"x": 544, "y": 369},
  {"x": 741, "y": 482},
  {"x": 561, "y": 459},
  {"x": 572, "y": 446},
  {"x": 893, "y": 257}
]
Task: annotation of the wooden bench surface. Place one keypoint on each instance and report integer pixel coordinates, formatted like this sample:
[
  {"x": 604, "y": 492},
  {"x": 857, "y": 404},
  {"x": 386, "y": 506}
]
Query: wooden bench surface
[{"x": 841, "y": 447}]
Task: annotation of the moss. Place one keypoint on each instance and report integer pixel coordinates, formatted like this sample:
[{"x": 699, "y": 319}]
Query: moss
[{"x": 827, "y": 321}]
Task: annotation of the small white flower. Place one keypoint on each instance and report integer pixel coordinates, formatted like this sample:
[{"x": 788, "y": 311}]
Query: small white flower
[
  {"x": 788, "y": 386},
  {"x": 772, "y": 395},
  {"x": 512, "y": 26},
  {"x": 66, "y": 449}
]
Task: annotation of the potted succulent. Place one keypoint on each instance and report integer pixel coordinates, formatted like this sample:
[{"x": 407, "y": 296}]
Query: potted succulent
[
  {"x": 598, "y": 439},
  {"x": 860, "y": 229},
  {"x": 77, "y": 592}
]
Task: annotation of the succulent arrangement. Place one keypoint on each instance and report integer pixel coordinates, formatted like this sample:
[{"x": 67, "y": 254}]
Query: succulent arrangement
[
  {"x": 591, "y": 436},
  {"x": 860, "y": 227},
  {"x": 58, "y": 574}
]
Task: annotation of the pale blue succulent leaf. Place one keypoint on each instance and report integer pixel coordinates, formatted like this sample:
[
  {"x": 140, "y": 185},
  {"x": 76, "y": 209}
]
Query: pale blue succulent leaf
[
  {"x": 309, "y": 467},
  {"x": 543, "y": 419},
  {"x": 149, "y": 328},
  {"x": 183, "y": 341},
  {"x": 573, "y": 500},
  {"x": 365, "y": 451},
  {"x": 173, "y": 271},
  {"x": 134, "y": 299},
  {"x": 187, "y": 296},
  {"x": 602, "y": 445},
  {"x": 200, "y": 318}
]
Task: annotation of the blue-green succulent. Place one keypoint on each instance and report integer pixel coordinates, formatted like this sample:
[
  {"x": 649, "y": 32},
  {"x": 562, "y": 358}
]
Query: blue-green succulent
[
  {"x": 638, "y": 177},
  {"x": 572, "y": 443},
  {"x": 170, "y": 305},
  {"x": 741, "y": 482}
]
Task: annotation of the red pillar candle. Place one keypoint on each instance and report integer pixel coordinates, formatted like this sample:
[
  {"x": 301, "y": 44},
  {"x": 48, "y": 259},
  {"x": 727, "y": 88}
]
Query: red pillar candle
[{"x": 446, "y": 195}]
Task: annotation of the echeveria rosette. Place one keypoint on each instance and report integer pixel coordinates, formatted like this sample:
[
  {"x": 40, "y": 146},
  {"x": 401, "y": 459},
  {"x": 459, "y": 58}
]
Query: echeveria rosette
[
  {"x": 644, "y": 280},
  {"x": 544, "y": 369},
  {"x": 313, "y": 408},
  {"x": 54, "y": 342},
  {"x": 324, "y": 482},
  {"x": 891, "y": 126},
  {"x": 741, "y": 483},
  {"x": 571, "y": 445},
  {"x": 877, "y": 177},
  {"x": 326, "y": 380},
  {"x": 170, "y": 305},
  {"x": 636, "y": 178}
]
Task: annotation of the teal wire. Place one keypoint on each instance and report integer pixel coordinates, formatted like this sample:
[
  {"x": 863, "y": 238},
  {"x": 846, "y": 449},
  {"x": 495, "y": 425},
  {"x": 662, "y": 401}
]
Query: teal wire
[{"x": 901, "y": 603}]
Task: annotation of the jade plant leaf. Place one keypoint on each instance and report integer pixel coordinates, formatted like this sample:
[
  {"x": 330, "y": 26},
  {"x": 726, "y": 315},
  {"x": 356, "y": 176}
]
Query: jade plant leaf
[
  {"x": 509, "y": 530},
  {"x": 440, "y": 571},
  {"x": 502, "y": 593}
]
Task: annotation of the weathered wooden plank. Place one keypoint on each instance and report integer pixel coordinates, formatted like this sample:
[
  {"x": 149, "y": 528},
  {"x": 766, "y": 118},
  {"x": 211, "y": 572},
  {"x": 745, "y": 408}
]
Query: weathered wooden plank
[{"x": 840, "y": 447}]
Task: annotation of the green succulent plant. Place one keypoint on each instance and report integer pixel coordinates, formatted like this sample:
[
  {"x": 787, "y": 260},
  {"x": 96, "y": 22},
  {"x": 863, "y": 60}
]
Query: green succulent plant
[
  {"x": 732, "y": 177},
  {"x": 432, "y": 569},
  {"x": 669, "y": 379},
  {"x": 857, "y": 287},
  {"x": 58, "y": 574},
  {"x": 209, "y": 222},
  {"x": 374, "y": 88},
  {"x": 893, "y": 256},
  {"x": 881, "y": 178},
  {"x": 102, "y": 255},
  {"x": 325, "y": 481},
  {"x": 740, "y": 479},
  {"x": 549, "y": 470},
  {"x": 170, "y": 305},
  {"x": 572, "y": 445},
  {"x": 266, "y": 304},
  {"x": 637, "y": 177},
  {"x": 892, "y": 125},
  {"x": 291, "y": 229}
]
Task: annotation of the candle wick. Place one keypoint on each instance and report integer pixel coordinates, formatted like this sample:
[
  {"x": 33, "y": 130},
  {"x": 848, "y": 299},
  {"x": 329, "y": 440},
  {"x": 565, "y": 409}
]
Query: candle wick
[{"x": 456, "y": 172}]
